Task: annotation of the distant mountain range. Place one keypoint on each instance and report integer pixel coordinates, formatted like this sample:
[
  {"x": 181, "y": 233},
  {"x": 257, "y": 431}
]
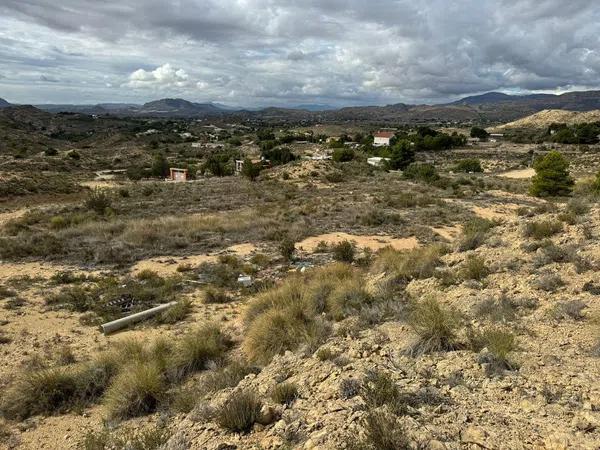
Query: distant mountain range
[{"x": 492, "y": 107}]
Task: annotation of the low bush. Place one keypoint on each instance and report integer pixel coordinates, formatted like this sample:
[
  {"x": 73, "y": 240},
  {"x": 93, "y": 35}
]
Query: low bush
[
  {"x": 474, "y": 268},
  {"x": 99, "y": 201},
  {"x": 175, "y": 313},
  {"x": 287, "y": 248},
  {"x": 349, "y": 388},
  {"x": 378, "y": 389},
  {"x": 421, "y": 172},
  {"x": 344, "y": 251},
  {"x": 215, "y": 295},
  {"x": 239, "y": 412},
  {"x": 497, "y": 310},
  {"x": 474, "y": 233},
  {"x": 435, "y": 326},
  {"x": 548, "y": 282},
  {"x": 468, "y": 165},
  {"x": 381, "y": 431},
  {"x": 134, "y": 439},
  {"x": 285, "y": 393},
  {"x": 111, "y": 298},
  {"x": 136, "y": 391},
  {"x": 227, "y": 376},
  {"x": 499, "y": 344},
  {"x": 572, "y": 309},
  {"x": 291, "y": 315},
  {"x": 403, "y": 266},
  {"x": 542, "y": 229},
  {"x": 374, "y": 217},
  {"x": 196, "y": 348}
]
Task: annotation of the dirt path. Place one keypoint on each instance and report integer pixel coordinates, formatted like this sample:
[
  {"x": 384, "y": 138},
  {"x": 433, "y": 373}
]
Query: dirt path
[
  {"x": 518, "y": 174},
  {"x": 167, "y": 265}
]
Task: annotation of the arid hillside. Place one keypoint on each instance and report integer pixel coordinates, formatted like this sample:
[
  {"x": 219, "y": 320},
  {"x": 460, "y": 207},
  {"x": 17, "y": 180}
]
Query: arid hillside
[{"x": 436, "y": 293}]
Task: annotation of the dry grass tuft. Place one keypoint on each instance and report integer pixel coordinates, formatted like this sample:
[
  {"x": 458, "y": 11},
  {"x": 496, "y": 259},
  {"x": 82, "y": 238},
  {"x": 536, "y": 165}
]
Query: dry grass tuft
[
  {"x": 435, "y": 325},
  {"x": 403, "y": 266},
  {"x": 239, "y": 412}
]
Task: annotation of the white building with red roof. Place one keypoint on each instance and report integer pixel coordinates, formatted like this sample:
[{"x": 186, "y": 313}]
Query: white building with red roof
[{"x": 382, "y": 138}]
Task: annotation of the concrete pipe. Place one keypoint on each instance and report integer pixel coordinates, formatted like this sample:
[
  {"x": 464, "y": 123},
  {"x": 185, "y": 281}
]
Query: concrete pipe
[{"x": 115, "y": 325}]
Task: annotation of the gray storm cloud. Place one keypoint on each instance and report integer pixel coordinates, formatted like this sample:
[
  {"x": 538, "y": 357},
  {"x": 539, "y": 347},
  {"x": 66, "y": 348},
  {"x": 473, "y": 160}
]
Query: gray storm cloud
[{"x": 258, "y": 52}]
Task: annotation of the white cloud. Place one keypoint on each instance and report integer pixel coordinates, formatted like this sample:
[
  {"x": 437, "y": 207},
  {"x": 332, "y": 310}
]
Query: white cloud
[{"x": 165, "y": 76}]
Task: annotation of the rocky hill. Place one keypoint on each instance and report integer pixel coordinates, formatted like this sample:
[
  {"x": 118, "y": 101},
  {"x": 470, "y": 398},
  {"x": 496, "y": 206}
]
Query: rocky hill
[
  {"x": 547, "y": 117},
  {"x": 3, "y": 103},
  {"x": 489, "y": 107}
]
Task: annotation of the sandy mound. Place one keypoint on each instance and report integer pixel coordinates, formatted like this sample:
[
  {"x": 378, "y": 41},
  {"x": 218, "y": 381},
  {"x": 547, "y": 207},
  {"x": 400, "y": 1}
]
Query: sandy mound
[
  {"x": 547, "y": 117},
  {"x": 371, "y": 242}
]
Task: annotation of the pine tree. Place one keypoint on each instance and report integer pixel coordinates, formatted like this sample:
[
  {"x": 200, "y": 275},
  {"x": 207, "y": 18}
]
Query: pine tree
[{"x": 551, "y": 176}]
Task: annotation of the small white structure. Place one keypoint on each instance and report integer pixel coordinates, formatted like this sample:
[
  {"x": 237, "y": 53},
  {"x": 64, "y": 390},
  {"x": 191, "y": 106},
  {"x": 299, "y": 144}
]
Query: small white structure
[
  {"x": 382, "y": 138},
  {"x": 176, "y": 174},
  {"x": 377, "y": 161}
]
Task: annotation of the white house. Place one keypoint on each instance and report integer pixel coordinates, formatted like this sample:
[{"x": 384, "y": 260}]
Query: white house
[
  {"x": 377, "y": 161},
  {"x": 382, "y": 138}
]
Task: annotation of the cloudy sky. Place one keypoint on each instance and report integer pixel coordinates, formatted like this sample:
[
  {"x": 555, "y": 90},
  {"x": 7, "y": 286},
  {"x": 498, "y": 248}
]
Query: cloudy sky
[{"x": 285, "y": 52}]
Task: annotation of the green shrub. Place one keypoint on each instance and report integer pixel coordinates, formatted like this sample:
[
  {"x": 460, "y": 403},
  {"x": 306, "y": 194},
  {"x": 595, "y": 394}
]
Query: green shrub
[
  {"x": 343, "y": 155},
  {"x": 344, "y": 251},
  {"x": 421, "y": 172},
  {"x": 251, "y": 170},
  {"x": 285, "y": 393},
  {"x": 551, "y": 176},
  {"x": 468, "y": 166},
  {"x": 239, "y": 412},
  {"x": 287, "y": 248},
  {"x": 99, "y": 201},
  {"x": 435, "y": 326},
  {"x": 402, "y": 154}
]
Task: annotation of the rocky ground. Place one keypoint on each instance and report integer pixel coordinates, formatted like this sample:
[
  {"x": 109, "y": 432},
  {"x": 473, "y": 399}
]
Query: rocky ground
[
  {"x": 551, "y": 401},
  {"x": 549, "y": 397}
]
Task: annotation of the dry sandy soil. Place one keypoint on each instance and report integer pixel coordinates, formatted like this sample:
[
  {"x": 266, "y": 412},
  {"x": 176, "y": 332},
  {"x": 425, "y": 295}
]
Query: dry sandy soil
[{"x": 550, "y": 400}]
